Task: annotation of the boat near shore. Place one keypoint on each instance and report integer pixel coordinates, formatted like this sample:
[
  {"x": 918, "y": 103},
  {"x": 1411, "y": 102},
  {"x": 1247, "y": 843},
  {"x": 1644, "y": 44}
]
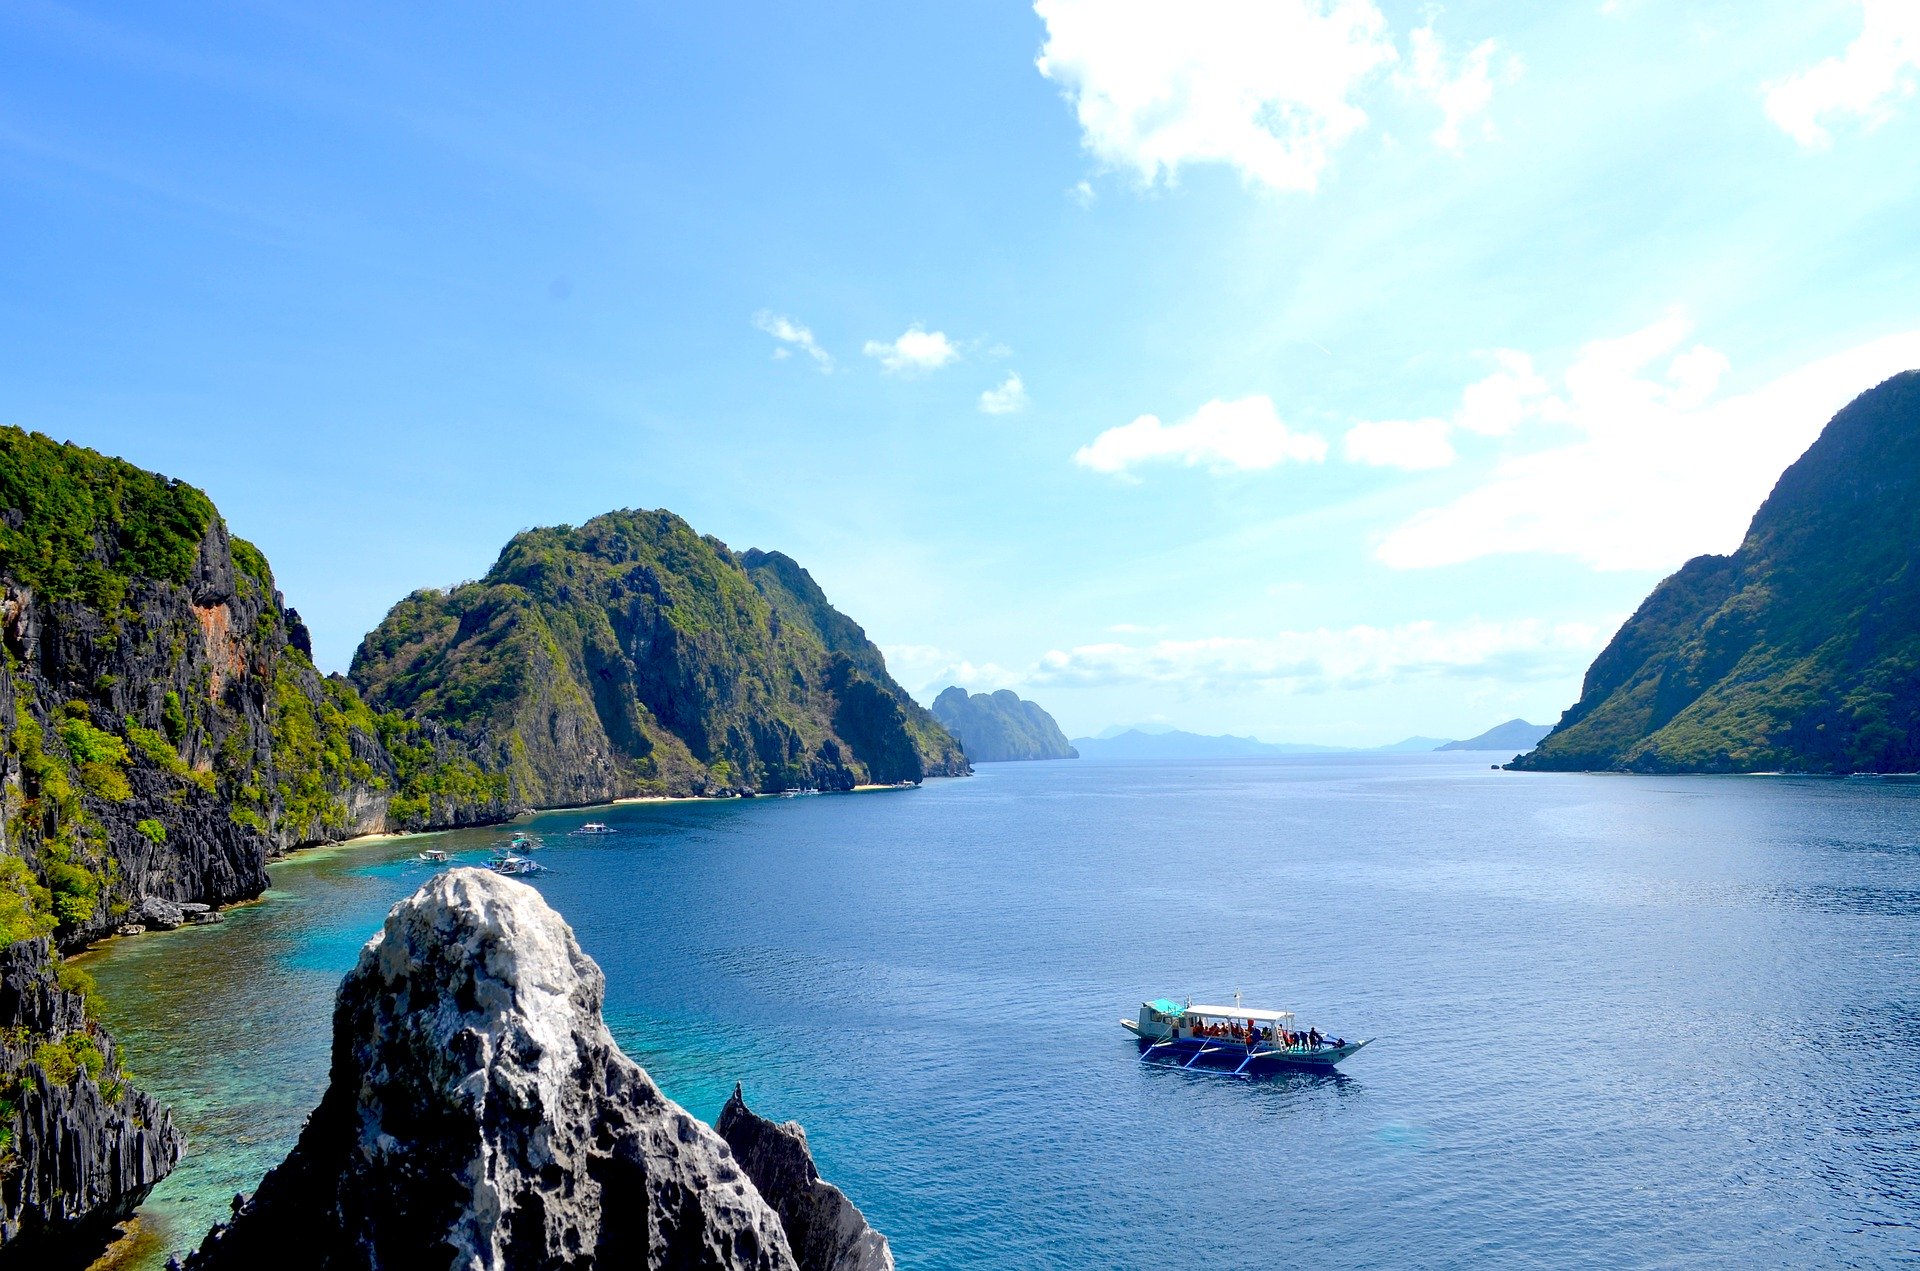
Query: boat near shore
[{"x": 1237, "y": 1040}]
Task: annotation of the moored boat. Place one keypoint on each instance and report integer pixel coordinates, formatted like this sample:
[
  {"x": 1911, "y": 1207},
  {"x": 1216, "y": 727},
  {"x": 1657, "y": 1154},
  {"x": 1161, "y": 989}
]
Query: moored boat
[
  {"x": 1239, "y": 1040},
  {"x": 514, "y": 865},
  {"x": 595, "y": 827},
  {"x": 433, "y": 856}
]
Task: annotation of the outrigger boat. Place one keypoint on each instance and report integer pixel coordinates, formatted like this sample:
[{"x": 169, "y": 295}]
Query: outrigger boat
[
  {"x": 433, "y": 856},
  {"x": 1236, "y": 1039},
  {"x": 595, "y": 827},
  {"x": 523, "y": 842},
  {"x": 514, "y": 865}
]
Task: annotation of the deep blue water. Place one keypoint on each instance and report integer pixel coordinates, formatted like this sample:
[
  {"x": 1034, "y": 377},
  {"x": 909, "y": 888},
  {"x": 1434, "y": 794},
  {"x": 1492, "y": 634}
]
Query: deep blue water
[{"x": 1629, "y": 1021}]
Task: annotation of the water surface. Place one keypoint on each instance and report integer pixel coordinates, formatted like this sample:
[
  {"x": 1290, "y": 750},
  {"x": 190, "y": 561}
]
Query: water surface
[{"x": 1621, "y": 1020}]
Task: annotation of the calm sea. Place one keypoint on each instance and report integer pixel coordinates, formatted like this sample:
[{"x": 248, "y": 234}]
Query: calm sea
[{"x": 1628, "y": 1021}]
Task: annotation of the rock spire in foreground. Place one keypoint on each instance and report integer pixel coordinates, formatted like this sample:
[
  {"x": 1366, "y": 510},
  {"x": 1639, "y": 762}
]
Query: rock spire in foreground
[
  {"x": 827, "y": 1231},
  {"x": 480, "y": 1116}
]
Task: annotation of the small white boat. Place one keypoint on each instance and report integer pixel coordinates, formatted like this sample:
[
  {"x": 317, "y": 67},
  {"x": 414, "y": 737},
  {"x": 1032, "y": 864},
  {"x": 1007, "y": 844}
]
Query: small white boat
[
  {"x": 802, "y": 792},
  {"x": 433, "y": 856},
  {"x": 514, "y": 866},
  {"x": 524, "y": 843},
  {"x": 1238, "y": 1040},
  {"x": 595, "y": 827}
]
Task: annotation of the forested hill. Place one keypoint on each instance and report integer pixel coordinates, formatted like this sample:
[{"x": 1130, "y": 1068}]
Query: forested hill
[
  {"x": 1801, "y": 651},
  {"x": 633, "y": 656},
  {"x": 1001, "y": 726}
]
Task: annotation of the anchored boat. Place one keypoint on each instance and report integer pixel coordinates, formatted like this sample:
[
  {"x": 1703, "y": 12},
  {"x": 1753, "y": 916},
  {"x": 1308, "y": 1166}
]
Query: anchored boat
[
  {"x": 594, "y": 827},
  {"x": 1238, "y": 1040}
]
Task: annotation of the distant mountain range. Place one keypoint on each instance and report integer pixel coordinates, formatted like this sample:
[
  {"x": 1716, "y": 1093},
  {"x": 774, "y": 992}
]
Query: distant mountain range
[{"x": 1171, "y": 743}]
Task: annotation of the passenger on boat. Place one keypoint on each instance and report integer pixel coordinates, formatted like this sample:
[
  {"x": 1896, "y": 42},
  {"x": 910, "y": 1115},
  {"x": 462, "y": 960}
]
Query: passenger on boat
[{"x": 1313, "y": 1037}]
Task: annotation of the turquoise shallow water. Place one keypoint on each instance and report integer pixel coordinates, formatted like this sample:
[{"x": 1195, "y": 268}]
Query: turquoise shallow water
[{"x": 1622, "y": 1020}]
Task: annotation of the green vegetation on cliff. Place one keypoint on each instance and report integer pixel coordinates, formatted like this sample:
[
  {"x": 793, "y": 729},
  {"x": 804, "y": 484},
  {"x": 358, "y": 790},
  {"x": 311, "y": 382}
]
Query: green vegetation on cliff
[
  {"x": 1801, "y": 651},
  {"x": 631, "y": 655}
]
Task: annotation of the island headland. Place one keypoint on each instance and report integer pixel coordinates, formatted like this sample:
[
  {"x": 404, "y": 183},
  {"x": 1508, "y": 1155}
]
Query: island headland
[
  {"x": 1800, "y": 652},
  {"x": 1001, "y": 726}
]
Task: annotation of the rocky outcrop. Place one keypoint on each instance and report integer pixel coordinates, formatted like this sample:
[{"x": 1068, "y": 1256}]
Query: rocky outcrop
[
  {"x": 1798, "y": 653},
  {"x": 631, "y": 656},
  {"x": 81, "y": 1148},
  {"x": 479, "y": 1115},
  {"x": 1001, "y": 726},
  {"x": 826, "y": 1230}
]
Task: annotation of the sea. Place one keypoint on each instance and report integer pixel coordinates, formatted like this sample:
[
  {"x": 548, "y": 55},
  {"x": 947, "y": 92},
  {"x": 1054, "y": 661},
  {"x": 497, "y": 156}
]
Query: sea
[{"x": 1636, "y": 1021}]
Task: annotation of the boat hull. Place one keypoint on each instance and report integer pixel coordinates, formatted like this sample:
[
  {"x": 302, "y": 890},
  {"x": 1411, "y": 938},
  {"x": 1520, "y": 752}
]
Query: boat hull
[{"x": 1208, "y": 1054}]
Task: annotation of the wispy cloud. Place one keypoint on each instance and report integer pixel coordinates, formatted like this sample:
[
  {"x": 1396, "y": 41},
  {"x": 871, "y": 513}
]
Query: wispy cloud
[
  {"x": 917, "y": 349},
  {"x": 1010, "y": 398},
  {"x": 1463, "y": 92},
  {"x": 932, "y": 668},
  {"x": 1657, "y": 468},
  {"x": 1242, "y": 435},
  {"x": 1328, "y": 659},
  {"x": 792, "y": 336},
  {"x": 1879, "y": 69}
]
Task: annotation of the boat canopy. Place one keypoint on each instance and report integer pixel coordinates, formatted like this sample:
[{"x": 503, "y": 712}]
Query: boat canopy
[
  {"x": 1239, "y": 1012},
  {"x": 1165, "y": 1006}
]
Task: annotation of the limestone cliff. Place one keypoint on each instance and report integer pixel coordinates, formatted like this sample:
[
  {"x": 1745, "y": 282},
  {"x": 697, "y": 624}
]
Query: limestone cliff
[
  {"x": 478, "y": 1115},
  {"x": 79, "y": 1147},
  {"x": 996, "y": 727},
  {"x": 827, "y": 1231},
  {"x": 1801, "y": 651},
  {"x": 631, "y": 655}
]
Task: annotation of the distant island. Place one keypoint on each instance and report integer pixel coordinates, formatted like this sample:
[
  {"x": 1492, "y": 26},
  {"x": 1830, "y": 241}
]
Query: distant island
[
  {"x": 1516, "y": 736},
  {"x": 1000, "y": 726},
  {"x": 1798, "y": 653}
]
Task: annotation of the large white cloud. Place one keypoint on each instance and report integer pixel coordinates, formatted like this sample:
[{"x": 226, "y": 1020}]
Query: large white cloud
[
  {"x": 1247, "y": 434},
  {"x": 1412, "y": 444},
  {"x": 1271, "y": 88},
  {"x": 917, "y": 349},
  {"x": 1656, "y": 469},
  {"x": 1879, "y": 69},
  {"x": 1332, "y": 659}
]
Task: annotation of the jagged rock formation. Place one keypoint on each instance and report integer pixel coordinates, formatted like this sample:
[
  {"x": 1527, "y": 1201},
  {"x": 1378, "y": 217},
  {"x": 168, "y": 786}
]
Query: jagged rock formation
[
  {"x": 997, "y": 727},
  {"x": 79, "y": 1147},
  {"x": 826, "y": 1230},
  {"x": 631, "y": 655},
  {"x": 479, "y": 1115},
  {"x": 1801, "y": 651},
  {"x": 1516, "y": 736}
]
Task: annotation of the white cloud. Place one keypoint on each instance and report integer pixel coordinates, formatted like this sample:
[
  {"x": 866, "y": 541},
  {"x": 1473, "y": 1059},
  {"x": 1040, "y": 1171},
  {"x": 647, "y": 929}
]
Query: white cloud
[
  {"x": 1880, "y": 68},
  {"x": 1658, "y": 470},
  {"x": 1247, "y": 434},
  {"x": 1265, "y": 86},
  {"x": 1400, "y": 443},
  {"x": 1327, "y": 659},
  {"x": 1083, "y": 193},
  {"x": 1008, "y": 399},
  {"x": 1512, "y": 395},
  {"x": 792, "y": 336},
  {"x": 934, "y": 668},
  {"x": 1463, "y": 93},
  {"x": 917, "y": 349}
]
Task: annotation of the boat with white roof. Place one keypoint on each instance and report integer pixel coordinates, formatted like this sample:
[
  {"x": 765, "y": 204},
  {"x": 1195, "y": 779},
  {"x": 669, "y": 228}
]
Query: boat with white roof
[{"x": 1238, "y": 1040}]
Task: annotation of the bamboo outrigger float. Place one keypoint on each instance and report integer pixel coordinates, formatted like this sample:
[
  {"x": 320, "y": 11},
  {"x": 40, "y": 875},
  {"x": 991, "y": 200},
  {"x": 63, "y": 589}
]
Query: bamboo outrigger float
[{"x": 1237, "y": 1040}]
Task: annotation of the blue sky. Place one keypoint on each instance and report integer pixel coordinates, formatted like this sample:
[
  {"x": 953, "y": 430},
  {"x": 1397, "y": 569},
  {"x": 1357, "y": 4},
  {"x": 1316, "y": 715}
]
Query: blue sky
[{"x": 1328, "y": 370}]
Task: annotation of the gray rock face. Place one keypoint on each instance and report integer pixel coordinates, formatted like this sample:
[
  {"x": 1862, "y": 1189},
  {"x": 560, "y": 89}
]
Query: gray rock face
[
  {"x": 480, "y": 1116},
  {"x": 1001, "y": 726},
  {"x": 827, "y": 1231},
  {"x": 85, "y": 1150}
]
